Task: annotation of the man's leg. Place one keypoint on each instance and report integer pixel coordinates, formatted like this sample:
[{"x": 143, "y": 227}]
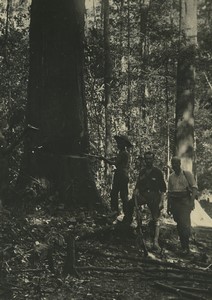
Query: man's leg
[
  {"x": 114, "y": 193},
  {"x": 153, "y": 205},
  {"x": 114, "y": 199},
  {"x": 185, "y": 228},
  {"x": 181, "y": 214},
  {"x": 155, "y": 245},
  {"x": 124, "y": 194},
  {"x": 128, "y": 215}
]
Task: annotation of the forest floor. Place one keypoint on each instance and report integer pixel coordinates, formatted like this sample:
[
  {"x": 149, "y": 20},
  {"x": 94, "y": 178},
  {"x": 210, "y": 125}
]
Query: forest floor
[{"x": 40, "y": 249}]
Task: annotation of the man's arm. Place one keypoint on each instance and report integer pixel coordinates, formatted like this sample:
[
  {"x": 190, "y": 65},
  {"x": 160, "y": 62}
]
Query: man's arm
[
  {"x": 162, "y": 190},
  {"x": 169, "y": 206},
  {"x": 193, "y": 197},
  {"x": 162, "y": 201},
  {"x": 193, "y": 187},
  {"x": 169, "y": 197}
]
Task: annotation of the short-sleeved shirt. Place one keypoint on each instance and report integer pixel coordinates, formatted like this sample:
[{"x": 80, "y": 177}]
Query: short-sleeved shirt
[
  {"x": 122, "y": 162},
  {"x": 151, "y": 181},
  {"x": 181, "y": 182}
]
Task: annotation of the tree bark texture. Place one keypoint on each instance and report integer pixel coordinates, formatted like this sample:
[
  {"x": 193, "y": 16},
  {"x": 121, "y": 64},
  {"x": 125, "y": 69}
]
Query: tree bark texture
[
  {"x": 107, "y": 88},
  {"x": 186, "y": 83},
  {"x": 128, "y": 104},
  {"x": 144, "y": 11},
  {"x": 56, "y": 102},
  {"x": 107, "y": 78}
]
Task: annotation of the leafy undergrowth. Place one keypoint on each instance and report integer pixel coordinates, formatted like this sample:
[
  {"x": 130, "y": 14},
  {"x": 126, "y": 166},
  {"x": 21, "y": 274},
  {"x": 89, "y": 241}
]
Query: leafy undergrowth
[{"x": 104, "y": 259}]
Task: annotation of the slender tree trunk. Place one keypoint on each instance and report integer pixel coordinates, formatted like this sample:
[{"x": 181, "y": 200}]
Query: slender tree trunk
[
  {"x": 56, "y": 102},
  {"x": 186, "y": 83},
  {"x": 94, "y": 15},
  {"x": 8, "y": 15},
  {"x": 167, "y": 116},
  {"x": 144, "y": 10},
  {"x": 121, "y": 33},
  {"x": 128, "y": 68},
  {"x": 107, "y": 80}
]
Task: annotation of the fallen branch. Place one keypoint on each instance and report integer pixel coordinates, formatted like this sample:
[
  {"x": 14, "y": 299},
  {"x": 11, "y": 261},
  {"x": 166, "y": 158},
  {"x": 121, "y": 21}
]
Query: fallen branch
[
  {"x": 29, "y": 270},
  {"x": 178, "y": 291},
  {"x": 180, "y": 278},
  {"x": 141, "y": 272},
  {"x": 111, "y": 270},
  {"x": 131, "y": 270},
  {"x": 206, "y": 77},
  {"x": 193, "y": 289},
  {"x": 145, "y": 261},
  {"x": 187, "y": 272},
  {"x": 208, "y": 267}
]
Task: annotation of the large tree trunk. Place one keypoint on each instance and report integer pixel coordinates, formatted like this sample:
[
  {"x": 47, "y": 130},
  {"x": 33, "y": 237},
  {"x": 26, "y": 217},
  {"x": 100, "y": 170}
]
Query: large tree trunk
[
  {"x": 56, "y": 103},
  {"x": 186, "y": 83}
]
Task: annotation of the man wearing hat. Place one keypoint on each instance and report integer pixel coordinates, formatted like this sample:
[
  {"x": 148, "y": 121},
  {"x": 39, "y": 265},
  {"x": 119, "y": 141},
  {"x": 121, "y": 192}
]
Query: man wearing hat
[
  {"x": 149, "y": 189},
  {"x": 121, "y": 178},
  {"x": 182, "y": 190}
]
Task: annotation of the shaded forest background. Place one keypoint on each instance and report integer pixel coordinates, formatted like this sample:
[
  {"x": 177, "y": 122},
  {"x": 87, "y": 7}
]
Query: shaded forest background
[{"x": 143, "y": 44}]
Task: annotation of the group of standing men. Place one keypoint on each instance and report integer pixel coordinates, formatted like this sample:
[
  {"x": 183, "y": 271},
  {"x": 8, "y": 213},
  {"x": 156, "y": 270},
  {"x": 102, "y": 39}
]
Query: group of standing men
[{"x": 150, "y": 189}]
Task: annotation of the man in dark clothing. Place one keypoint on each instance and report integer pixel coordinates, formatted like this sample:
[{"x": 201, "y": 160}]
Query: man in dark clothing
[
  {"x": 182, "y": 190},
  {"x": 149, "y": 189},
  {"x": 121, "y": 178}
]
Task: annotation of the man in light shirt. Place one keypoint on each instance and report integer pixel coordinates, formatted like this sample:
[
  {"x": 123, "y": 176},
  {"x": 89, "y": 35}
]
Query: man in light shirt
[{"x": 182, "y": 190}]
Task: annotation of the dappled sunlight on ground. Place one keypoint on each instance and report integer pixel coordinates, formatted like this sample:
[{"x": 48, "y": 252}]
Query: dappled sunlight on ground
[{"x": 108, "y": 258}]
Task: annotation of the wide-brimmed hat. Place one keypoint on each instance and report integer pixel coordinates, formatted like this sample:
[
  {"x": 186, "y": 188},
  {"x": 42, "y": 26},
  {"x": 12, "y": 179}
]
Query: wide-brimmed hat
[{"x": 124, "y": 139}]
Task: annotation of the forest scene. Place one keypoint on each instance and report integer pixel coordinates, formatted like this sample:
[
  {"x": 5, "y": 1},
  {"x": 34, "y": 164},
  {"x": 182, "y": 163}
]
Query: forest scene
[{"x": 104, "y": 104}]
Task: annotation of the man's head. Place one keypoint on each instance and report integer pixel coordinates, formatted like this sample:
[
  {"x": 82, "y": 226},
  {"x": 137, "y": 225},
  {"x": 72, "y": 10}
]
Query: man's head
[
  {"x": 149, "y": 158},
  {"x": 176, "y": 163}
]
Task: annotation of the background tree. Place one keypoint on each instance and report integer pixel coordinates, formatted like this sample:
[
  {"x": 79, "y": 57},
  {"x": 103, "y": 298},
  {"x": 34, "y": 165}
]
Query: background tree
[
  {"x": 186, "y": 83},
  {"x": 107, "y": 79},
  {"x": 14, "y": 75},
  {"x": 155, "y": 30}
]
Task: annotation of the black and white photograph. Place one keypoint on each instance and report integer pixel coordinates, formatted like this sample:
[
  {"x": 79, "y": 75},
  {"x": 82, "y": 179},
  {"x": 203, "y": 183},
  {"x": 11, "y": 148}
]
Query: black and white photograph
[{"x": 105, "y": 149}]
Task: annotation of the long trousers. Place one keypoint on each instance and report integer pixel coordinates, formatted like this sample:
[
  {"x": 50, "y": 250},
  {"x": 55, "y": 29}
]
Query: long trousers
[
  {"x": 120, "y": 185},
  {"x": 152, "y": 199},
  {"x": 181, "y": 211}
]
